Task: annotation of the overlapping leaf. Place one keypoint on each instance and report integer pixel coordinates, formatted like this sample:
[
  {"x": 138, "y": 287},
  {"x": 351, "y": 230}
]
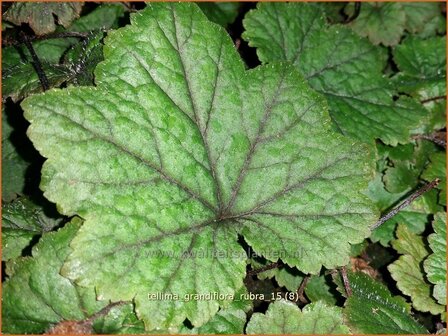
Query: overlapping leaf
[
  {"x": 345, "y": 68},
  {"x": 177, "y": 151},
  {"x": 407, "y": 271},
  {"x": 284, "y": 317},
  {"x": 435, "y": 264}
]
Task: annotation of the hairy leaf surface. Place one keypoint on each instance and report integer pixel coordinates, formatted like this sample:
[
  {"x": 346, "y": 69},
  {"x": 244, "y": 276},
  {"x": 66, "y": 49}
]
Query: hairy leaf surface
[
  {"x": 344, "y": 67},
  {"x": 177, "y": 150},
  {"x": 371, "y": 309},
  {"x": 437, "y": 169},
  {"x": 284, "y": 317}
]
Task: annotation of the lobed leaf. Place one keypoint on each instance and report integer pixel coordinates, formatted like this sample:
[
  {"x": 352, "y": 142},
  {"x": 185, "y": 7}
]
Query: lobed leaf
[
  {"x": 176, "y": 151},
  {"x": 284, "y": 317},
  {"x": 337, "y": 63},
  {"x": 407, "y": 272},
  {"x": 435, "y": 264},
  {"x": 223, "y": 13},
  {"x": 371, "y": 309},
  {"x": 23, "y": 220}
]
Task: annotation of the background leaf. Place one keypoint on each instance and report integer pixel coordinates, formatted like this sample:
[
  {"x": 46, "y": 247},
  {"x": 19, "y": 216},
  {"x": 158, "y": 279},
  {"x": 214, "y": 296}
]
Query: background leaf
[
  {"x": 407, "y": 271},
  {"x": 23, "y": 220},
  {"x": 435, "y": 264},
  {"x": 337, "y": 63},
  {"x": 41, "y": 16},
  {"x": 371, "y": 309},
  {"x": 34, "y": 300},
  {"x": 189, "y": 179},
  {"x": 284, "y": 317}
]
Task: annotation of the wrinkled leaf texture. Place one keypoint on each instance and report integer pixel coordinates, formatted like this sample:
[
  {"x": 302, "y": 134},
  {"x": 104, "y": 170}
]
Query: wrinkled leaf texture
[{"x": 178, "y": 149}]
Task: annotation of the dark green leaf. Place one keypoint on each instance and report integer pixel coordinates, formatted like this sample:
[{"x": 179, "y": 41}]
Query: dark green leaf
[
  {"x": 372, "y": 309},
  {"x": 343, "y": 67}
]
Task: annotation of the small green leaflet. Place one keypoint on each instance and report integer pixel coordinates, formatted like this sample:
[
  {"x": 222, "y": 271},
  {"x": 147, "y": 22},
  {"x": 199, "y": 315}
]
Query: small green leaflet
[
  {"x": 31, "y": 13},
  {"x": 435, "y": 264},
  {"x": 407, "y": 272},
  {"x": 284, "y": 317},
  {"x": 215, "y": 151},
  {"x": 345, "y": 68},
  {"x": 371, "y": 309}
]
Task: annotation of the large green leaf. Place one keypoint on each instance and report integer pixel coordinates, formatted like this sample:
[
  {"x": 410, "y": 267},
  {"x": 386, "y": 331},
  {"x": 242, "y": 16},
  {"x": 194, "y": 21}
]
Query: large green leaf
[
  {"x": 371, "y": 309},
  {"x": 435, "y": 264},
  {"x": 22, "y": 220},
  {"x": 407, "y": 271},
  {"x": 41, "y": 15},
  {"x": 284, "y": 317},
  {"x": 178, "y": 150},
  {"x": 344, "y": 67},
  {"x": 36, "y": 296}
]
